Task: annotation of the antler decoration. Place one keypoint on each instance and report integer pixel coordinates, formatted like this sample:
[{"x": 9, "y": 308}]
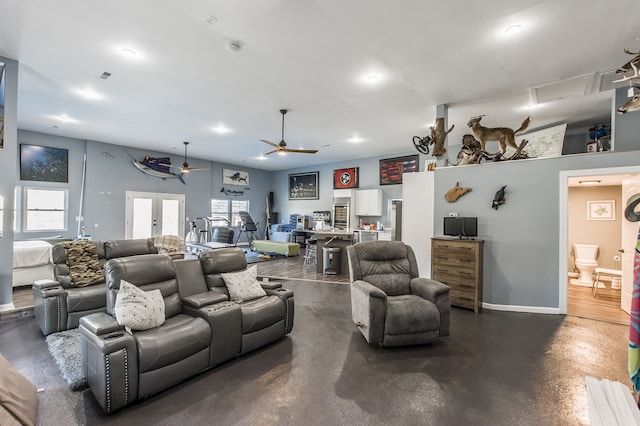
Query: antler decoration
[{"x": 629, "y": 66}]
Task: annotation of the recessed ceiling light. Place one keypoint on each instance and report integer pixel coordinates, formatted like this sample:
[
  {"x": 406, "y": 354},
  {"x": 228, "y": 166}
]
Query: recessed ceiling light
[
  {"x": 513, "y": 28},
  {"x": 221, "y": 129},
  {"x": 64, "y": 118},
  {"x": 128, "y": 51},
  {"x": 261, "y": 158},
  {"x": 372, "y": 78},
  {"x": 89, "y": 93},
  {"x": 355, "y": 139},
  {"x": 589, "y": 182}
]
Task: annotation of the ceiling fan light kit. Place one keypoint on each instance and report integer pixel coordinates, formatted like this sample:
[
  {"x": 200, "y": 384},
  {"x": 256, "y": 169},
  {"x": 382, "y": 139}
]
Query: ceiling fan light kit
[{"x": 281, "y": 148}]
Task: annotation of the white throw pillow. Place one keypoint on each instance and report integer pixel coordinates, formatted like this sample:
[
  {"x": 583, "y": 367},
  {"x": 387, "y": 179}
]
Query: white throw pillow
[
  {"x": 138, "y": 309},
  {"x": 244, "y": 285}
]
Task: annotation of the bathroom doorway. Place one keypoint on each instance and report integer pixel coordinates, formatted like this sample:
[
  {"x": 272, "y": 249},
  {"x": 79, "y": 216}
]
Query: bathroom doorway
[{"x": 592, "y": 214}]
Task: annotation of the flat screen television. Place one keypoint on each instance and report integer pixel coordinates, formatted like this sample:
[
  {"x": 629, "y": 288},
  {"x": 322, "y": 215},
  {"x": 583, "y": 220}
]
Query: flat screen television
[{"x": 461, "y": 227}]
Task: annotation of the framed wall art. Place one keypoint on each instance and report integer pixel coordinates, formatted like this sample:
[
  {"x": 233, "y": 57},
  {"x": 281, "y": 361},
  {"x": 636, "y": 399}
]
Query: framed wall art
[
  {"x": 345, "y": 178},
  {"x": 601, "y": 210},
  {"x": 235, "y": 177},
  {"x": 44, "y": 164},
  {"x": 391, "y": 169},
  {"x": 304, "y": 186}
]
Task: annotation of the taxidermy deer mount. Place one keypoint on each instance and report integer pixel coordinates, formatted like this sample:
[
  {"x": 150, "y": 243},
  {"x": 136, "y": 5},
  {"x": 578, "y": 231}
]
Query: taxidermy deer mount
[{"x": 504, "y": 135}]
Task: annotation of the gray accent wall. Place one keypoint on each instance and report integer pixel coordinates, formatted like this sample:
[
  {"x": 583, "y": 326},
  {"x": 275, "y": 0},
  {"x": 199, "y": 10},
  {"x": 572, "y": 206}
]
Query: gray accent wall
[
  {"x": 521, "y": 249},
  {"x": 110, "y": 173},
  {"x": 369, "y": 178}
]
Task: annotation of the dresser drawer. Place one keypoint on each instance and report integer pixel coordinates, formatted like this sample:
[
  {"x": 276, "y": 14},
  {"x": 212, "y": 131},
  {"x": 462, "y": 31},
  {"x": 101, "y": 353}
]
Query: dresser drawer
[
  {"x": 452, "y": 274},
  {"x": 462, "y": 300}
]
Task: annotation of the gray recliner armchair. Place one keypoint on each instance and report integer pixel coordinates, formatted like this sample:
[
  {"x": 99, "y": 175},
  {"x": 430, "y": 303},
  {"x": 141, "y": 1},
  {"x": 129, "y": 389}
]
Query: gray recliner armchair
[{"x": 390, "y": 303}]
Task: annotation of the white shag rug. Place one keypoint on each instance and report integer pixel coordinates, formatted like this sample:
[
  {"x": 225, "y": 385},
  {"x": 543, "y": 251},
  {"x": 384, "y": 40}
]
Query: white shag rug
[{"x": 64, "y": 347}]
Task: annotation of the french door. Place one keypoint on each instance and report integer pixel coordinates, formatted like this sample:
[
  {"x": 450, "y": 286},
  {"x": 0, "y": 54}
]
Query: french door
[{"x": 149, "y": 214}]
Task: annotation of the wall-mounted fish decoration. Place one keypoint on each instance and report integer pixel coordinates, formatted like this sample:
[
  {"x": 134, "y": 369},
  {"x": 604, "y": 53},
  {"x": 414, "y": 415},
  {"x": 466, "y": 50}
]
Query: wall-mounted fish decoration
[
  {"x": 498, "y": 199},
  {"x": 231, "y": 192},
  {"x": 155, "y": 168}
]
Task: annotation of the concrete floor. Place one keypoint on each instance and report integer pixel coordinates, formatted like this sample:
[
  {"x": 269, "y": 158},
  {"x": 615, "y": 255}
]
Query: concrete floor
[{"x": 496, "y": 368}]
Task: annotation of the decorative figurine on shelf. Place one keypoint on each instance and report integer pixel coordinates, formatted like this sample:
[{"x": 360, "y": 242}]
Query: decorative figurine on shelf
[
  {"x": 498, "y": 199},
  {"x": 456, "y": 192},
  {"x": 438, "y": 137},
  {"x": 504, "y": 135}
]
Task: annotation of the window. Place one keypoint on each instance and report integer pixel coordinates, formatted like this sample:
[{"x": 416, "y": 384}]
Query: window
[
  {"x": 227, "y": 210},
  {"x": 46, "y": 209}
]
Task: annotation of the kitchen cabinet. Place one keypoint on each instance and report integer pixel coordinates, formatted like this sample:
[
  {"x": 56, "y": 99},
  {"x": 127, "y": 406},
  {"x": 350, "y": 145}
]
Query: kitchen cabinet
[{"x": 369, "y": 202}]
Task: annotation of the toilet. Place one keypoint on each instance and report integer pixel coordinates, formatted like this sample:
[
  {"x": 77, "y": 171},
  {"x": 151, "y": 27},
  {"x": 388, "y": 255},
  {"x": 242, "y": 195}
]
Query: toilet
[{"x": 585, "y": 256}]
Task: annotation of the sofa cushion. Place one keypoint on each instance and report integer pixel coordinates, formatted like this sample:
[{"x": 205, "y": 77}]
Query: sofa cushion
[
  {"x": 82, "y": 259},
  {"x": 177, "y": 339},
  {"x": 243, "y": 285},
  {"x": 261, "y": 313},
  {"x": 139, "y": 309},
  {"x": 86, "y": 298},
  {"x": 410, "y": 314}
]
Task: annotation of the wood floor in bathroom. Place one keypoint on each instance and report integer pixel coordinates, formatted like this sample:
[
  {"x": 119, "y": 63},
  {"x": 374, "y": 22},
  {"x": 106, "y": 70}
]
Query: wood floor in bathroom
[{"x": 604, "y": 307}]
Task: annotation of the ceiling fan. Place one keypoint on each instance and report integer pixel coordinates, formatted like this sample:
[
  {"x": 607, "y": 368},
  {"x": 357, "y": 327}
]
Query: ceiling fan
[
  {"x": 281, "y": 148},
  {"x": 185, "y": 166}
]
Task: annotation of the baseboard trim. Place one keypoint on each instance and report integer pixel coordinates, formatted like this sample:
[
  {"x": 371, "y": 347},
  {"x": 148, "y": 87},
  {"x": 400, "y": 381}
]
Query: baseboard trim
[
  {"x": 7, "y": 307},
  {"x": 517, "y": 308}
]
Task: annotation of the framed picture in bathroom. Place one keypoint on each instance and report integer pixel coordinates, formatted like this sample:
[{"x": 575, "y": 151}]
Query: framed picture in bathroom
[{"x": 601, "y": 210}]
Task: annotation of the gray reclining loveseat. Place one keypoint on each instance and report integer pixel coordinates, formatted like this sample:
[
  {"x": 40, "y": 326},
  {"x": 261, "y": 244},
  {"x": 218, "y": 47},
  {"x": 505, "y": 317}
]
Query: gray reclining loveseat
[
  {"x": 58, "y": 305},
  {"x": 202, "y": 326}
]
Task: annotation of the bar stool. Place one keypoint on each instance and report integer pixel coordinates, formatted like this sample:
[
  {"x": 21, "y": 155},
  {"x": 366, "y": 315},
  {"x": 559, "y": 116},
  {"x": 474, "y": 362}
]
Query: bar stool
[{"x": 310, "y": 253}]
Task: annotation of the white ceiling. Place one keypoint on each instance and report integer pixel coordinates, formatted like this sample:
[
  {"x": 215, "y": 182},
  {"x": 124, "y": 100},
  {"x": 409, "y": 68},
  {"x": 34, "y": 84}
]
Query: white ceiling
[{"x": 311, "y": 57}]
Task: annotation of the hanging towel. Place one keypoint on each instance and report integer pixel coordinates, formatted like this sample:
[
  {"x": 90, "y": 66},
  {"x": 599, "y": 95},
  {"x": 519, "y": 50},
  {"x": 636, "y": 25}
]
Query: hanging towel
[{"x": 634, "y": 323}]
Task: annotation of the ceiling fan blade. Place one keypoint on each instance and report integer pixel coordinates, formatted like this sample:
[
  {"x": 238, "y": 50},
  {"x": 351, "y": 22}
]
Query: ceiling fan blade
[
  {"x": 304, "y": 151},
  {"x": 271, "y": 152},
  {"x": 270, "y": 143}
]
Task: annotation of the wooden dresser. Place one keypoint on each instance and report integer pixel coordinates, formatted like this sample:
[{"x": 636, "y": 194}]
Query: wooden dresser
[{"x": 458, "y": 263}]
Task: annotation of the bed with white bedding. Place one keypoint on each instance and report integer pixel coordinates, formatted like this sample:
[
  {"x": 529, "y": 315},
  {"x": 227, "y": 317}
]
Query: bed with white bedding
[{"x": 31, "y": 261}]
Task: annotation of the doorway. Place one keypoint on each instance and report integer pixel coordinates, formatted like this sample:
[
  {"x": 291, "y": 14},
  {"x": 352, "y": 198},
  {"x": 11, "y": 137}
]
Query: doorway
[
  {"x": 614, "y": 237},
  {"x": 149, "y": 214}
]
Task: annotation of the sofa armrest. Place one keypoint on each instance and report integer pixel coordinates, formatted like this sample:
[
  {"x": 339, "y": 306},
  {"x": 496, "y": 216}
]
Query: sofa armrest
[
  {"x": 100, "y": 324},
  {"x": 286, "y": 296},
  {"x": 206, "y": 298},
  {"x": 50, "y": 306},
  {"x": 44, "y": 284},
  {"x": 368, "y": 310},
  {"x": 110, "y": 361},
  {"x": 270, "y": 285},
  {"x": 428, "y": 289},
  {"x": 438, "y": 293}
]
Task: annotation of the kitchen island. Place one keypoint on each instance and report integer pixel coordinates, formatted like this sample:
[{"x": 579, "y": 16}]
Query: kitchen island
[{"x": 341, "y": 239}]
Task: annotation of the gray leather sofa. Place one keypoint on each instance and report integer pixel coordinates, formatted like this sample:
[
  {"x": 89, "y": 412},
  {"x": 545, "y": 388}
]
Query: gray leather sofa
[
  {"x": 58, "y": 305},
  {"x": 202, "y": 328}
]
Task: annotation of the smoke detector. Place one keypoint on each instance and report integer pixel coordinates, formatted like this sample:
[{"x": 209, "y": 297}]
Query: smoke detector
[{"x": 234, "y": 46}]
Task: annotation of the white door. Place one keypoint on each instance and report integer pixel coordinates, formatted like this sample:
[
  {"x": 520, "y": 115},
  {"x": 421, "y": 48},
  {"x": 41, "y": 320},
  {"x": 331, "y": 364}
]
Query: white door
[
  {"x": 630, "y": 187},
  {"x": 149, "y": 214}
]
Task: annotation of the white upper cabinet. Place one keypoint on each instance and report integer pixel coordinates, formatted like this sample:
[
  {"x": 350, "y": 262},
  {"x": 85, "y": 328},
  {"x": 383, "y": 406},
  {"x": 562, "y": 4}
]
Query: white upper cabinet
[{"x": 369, "y": 202}]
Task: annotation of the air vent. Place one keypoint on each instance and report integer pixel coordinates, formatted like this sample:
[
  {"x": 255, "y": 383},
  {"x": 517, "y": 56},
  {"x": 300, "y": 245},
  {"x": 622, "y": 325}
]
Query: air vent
[
  {"x": 569, "y": 88},
  {"x": 105, "y": 75}
]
